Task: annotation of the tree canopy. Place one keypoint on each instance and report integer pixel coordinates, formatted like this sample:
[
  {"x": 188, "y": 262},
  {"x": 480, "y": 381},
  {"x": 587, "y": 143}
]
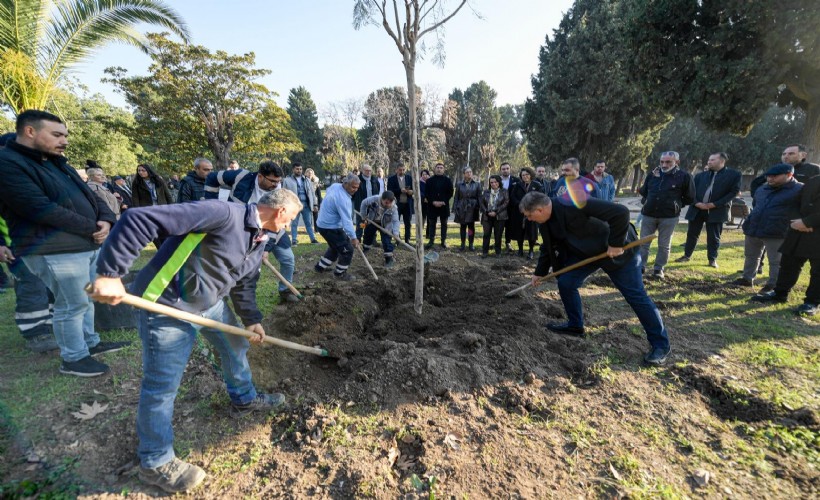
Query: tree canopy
[
  {"x": 40, "y": 41},
  {"x": 305, "y": 121},
  {"x": 726, "y": 61},
  {"x": 193, "y": 101}
]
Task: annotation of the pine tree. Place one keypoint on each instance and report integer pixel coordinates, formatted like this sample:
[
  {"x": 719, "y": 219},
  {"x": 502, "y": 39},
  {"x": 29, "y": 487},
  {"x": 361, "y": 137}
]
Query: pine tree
[{"x": 304, "y": 120}]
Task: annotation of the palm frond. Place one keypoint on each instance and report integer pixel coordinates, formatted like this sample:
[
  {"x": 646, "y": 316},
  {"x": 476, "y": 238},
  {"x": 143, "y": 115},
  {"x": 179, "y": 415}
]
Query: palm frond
[
  {"x": 80, "y": 27},
  {"x": 21, "y": 23}
]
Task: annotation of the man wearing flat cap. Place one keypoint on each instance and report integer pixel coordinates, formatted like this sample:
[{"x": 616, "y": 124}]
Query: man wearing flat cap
[{"x": 775, "y": 205}]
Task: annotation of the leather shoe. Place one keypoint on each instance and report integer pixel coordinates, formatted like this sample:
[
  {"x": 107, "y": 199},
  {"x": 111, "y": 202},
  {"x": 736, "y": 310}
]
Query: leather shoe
[
  {"x": 767, "y": 297},
  {"x": 566, "y": 329}
]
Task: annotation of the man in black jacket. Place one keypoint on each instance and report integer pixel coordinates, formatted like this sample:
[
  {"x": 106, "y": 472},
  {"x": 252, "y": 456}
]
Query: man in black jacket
[
  {"x": 572, "y": 234},
  {"x": 802, "y": 244},
  {"x": 665, "y": 192},
  {"x": 192, "y": 186},
  {"x": 56, "y": 225},
  {"x": 401, "y": 184},
  {"x": 369, "y": 186},
  {"x": 795, "y": 155},
  {"x": 438, "y": 192},
  {"x": 715, "y": 188}
]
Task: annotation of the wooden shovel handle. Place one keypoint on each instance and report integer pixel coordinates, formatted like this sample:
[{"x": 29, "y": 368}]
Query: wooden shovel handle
[{"x": 281, "y": 278}]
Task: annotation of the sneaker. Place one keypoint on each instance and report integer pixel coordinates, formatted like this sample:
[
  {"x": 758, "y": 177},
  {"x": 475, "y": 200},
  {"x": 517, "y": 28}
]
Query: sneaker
[
  {"x": 713, "y": 263},
  {"x": 766, "y": 289},
  {"x": 174, "y": 477},
  {"x": 389, "y": 262},
  {"x": 345, "y": 276},
  {"x": 287, "y": 296},
  {"x": 262, "y": 402},
  {"x": 319, "y": 269},
  {"x": 293, "y": 243},
  {"x": 86, "y": 367},
  {"x": 770, "y": 296},
  {"x": 807, "y": 309},
  {"x": 313, "y": 242},
  {"x": 104, "y": 347},
  {"x": 656, "y": 356},
  {"x": 566, "y": 329},
  {"x": 657, "y": 274},
  {"x": 42, "y": 343},
  {"x": 683, "y": 259},
  {"x": 741, "y": 282}
]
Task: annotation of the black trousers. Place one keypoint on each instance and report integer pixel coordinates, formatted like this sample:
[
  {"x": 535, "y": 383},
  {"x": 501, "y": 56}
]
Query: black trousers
[
  {"x": 467, "y": 231},
  {"x": 790, "y": 267},
  {"x": 434, "y": 215},
  {"x": 714, "y": 230},
  {"x": 405, "y": 213},
  {"x": 495, "y": 227}
]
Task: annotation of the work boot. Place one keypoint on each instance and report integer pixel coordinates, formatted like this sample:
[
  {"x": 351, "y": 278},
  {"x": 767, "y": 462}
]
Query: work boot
[
  {"x": 42, "y": 343},
  {"x": 389, "y": 262},
  {"x": 174, "y": 477},
  {"x": 262, "y": 402}
]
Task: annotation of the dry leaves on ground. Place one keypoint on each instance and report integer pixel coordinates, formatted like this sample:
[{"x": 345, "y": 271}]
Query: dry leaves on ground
[{"x": 87, "y": 412}]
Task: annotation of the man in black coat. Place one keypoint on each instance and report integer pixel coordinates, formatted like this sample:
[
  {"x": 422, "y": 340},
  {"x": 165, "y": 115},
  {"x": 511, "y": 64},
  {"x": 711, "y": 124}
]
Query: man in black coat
[
  {"x": 802, "y": 244},
  {"x": 401, "y": 184},
  {"x": 572, "y": 234},
  {"x": 368, "y": 187},
  {"x": 438, "y": 192},
  {"x": 795, "y": 155},
  {"x": 715, "y": 188},
  {"x": 56, "y": 224}
]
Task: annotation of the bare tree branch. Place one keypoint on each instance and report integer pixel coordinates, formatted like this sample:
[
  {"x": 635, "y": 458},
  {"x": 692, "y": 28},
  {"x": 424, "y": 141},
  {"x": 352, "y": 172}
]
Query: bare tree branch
[{"x": 438, "y": 24}]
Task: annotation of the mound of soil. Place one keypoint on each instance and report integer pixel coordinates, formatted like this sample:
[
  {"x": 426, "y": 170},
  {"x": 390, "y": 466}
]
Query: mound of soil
[{"x": 468, "y": 336}]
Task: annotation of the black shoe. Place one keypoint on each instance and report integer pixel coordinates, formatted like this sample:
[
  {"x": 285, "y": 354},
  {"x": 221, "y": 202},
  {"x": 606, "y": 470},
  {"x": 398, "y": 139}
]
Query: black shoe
[
  {"x": 766, "y": 289},
  {"x": 293, "y": 243},
  {"x": 530, "y": 255},
  {"x": 444, "y": 245},
  {"x": 471, "y": 248},
  {"x": 461, "y": 249},
  {"x": 769, "y": 297},
  {"x": 484, "y": 255},
  {"x": 86, "y": 367},
  {"x": 657, "y": 274},
  {"x": 683, "y": 259},
  {"x": 287, "y": 296},
  {"x": 565, "y": 329},
  {"x": 345, "y": 276},
  {"x": 521, "y": 253},
  {"x": 314, "y": 241},
  {"x": 42, "y": 343},
  {"x": 319, "y": 269},
  {"x": 365, "y": 249},
  {"x": 656, "y": 356},
  {"x": 807, "y": 309},
  {"x": 263, "y": 402},
  {"x": 389, "y": 262},
  {"x": 104, "y": 347},
  {"x": 742, "y": 282},
  {"x": 428, "y": 246}
]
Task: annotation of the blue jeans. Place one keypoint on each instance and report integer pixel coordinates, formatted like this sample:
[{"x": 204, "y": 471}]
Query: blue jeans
[
  {"x": 166, "y": 347},
  {"x": 307, "y": 218},
  {"x": 66, "y": 275},
  {"x": 627, "y": 279},
  {"x": 287, "y": 263}
]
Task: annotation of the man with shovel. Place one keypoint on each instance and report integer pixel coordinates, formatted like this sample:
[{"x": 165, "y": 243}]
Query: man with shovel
[
  {"x": 212, "y": 249},
  {"x": 382, "y": 210},
  {"x": 572, "y": 234}
]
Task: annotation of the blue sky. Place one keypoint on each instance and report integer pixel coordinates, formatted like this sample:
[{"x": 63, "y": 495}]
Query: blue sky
[{"x": 313, "y": 43}]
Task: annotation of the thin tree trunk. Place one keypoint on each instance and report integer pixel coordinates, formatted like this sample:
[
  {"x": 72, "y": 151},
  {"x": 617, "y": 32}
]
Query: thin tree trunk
[
  {"x": 811, "y": 132},
  {"x": 410, "y": 69}
]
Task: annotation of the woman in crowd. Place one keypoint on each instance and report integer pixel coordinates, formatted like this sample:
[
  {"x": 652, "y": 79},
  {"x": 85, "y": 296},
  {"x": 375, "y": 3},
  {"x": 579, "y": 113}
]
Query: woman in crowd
[
  {"x": 465, "y": 206},
  {"x": 311, "y": 176},
  {"x": 523, "y": 229},
  {"x": 493, "y": 205},
  {"x": 149, "y": 188}
]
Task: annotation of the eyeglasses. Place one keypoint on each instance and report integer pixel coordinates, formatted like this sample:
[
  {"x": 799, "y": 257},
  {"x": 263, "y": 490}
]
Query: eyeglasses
[
  {"x": 664, "y": 162},
  {"x": 274, "y": 181}
]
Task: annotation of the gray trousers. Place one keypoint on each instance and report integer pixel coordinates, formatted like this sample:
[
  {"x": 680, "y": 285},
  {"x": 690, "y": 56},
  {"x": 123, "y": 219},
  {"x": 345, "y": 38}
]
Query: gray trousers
[
  {"x": 665, "y": 228},
  {"x": 753, "y": 251}
]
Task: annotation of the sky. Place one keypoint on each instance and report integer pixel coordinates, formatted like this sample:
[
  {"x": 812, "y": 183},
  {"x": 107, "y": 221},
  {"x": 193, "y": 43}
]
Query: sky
[{"x": 313, "y": 43}]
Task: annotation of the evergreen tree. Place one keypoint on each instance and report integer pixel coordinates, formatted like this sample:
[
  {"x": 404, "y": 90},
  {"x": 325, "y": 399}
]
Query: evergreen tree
[
  {"x": 726, "y": 61},
  {"x": 304, "y": 120},
  {"x": 584, "y": 103}
]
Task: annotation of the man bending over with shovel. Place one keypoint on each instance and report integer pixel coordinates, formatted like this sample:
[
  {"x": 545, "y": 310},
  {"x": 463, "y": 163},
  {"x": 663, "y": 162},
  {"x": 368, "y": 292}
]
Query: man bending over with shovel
[
  {"x": 571, "y": 234},
  {"x": 381, "y": 209},
  {"x": 212, "y": 249}
]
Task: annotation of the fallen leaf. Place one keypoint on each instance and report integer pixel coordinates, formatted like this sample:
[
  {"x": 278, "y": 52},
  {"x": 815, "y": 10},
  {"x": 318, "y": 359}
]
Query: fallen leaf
[
  {"x": 88, "y": 412},
  {"x": 702, "y": 477},
  {"x": 405, "y": 463},
  {"x": 614, "y": 472},
  {"x": 452, "y": 441},
  {"x": 392, "y": 455}
]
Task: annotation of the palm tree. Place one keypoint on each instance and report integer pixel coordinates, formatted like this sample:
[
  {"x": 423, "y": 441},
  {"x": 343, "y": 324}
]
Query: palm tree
[{"x": 40, "y": 40}]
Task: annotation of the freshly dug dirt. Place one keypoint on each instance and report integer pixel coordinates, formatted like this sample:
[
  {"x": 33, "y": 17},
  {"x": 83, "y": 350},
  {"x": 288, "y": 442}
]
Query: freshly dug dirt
[{"x": 469, "y": 335}]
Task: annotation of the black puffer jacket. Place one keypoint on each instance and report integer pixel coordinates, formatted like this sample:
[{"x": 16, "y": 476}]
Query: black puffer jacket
[{"x": 48, "y": 207}]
